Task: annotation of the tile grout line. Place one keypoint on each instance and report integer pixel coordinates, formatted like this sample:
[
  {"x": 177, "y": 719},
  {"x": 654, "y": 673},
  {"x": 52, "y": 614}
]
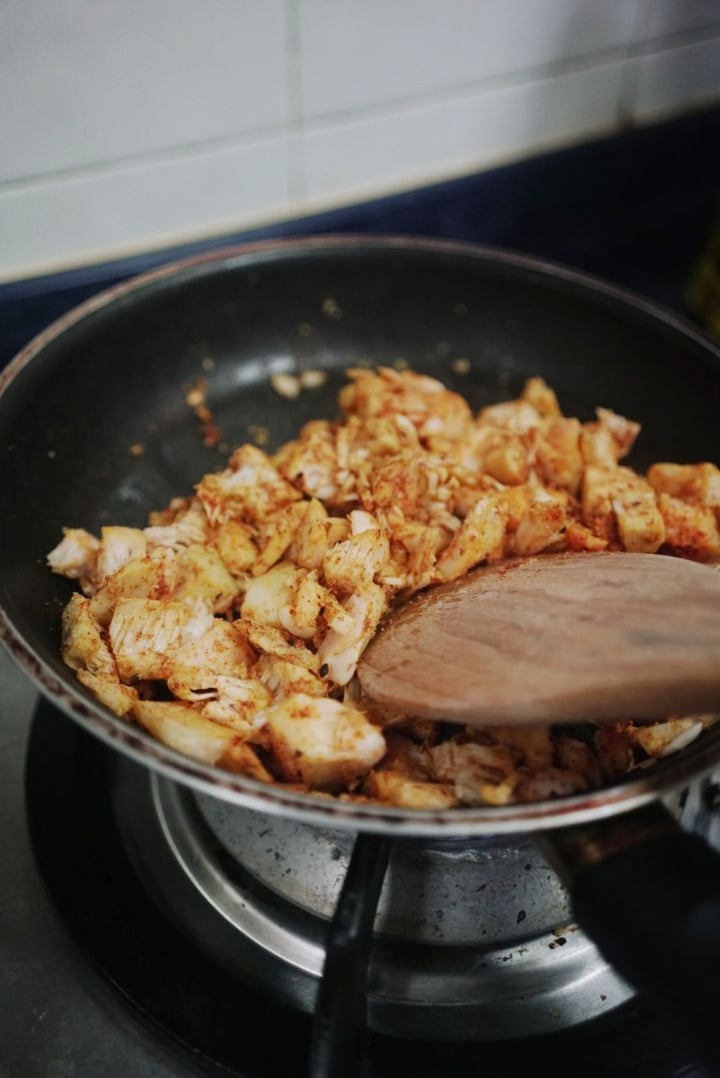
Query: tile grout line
[
  {"x": 629, "y": 77},
  {"x": 294, "y": 101}
]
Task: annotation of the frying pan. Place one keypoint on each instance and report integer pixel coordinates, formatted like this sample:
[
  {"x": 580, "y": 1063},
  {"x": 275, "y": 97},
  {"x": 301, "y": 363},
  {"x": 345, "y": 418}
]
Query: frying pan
[{"x": 113, "y": 374}]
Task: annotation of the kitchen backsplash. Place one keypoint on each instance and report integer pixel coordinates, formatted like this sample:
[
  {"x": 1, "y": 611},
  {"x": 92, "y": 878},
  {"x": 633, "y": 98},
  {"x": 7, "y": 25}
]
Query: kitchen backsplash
[{"x": 129, "y": 126}]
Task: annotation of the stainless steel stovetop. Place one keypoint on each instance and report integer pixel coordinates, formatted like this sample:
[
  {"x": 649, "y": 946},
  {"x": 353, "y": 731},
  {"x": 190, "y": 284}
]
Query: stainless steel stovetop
[{"x": 58, "y": 1019}]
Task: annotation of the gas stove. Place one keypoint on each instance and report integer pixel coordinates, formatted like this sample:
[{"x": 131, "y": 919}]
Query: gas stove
[{"x": 153, "y": 931}]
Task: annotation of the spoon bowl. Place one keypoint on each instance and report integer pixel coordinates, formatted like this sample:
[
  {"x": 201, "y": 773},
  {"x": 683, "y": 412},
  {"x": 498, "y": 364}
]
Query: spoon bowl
[{"x": 554, "y": 638}]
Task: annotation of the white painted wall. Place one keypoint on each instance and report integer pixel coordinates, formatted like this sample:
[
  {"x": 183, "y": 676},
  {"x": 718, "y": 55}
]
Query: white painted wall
[{"x": 128, "y": 125}]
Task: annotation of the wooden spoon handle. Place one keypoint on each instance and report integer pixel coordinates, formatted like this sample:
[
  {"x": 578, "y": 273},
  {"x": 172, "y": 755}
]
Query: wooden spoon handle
[{"x": 556, "y": 638}]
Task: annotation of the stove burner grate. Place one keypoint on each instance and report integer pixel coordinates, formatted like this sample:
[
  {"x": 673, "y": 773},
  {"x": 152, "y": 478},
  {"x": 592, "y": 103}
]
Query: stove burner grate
[{"x": 215, "y": 1018}]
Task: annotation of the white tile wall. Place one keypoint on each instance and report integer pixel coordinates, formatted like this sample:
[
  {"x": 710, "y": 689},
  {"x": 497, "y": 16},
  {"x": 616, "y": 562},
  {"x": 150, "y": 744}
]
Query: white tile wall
[
  {"x": 676, "y": 78},
  {"x": 668, "y": 17},
  {"x": 141, "y": 204},
  {"x": 84, "y": 82},
  {"x": 357, "y": 54},
  {"x": 456, "y": 135},
  {"x": 131, "y": 125}
]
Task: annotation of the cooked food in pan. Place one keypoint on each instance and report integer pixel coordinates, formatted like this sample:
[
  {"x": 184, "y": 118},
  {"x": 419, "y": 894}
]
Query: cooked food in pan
[{"x": 231, "y": 625}]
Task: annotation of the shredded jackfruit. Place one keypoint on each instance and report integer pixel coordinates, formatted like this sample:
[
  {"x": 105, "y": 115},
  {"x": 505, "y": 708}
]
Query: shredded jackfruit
[{"x": 231, "y": 625}]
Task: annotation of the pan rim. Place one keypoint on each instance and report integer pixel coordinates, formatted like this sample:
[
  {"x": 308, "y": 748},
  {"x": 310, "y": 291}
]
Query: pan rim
[
  {"x": 693, "y": 762},
  {"x": 499, "y": 255}
]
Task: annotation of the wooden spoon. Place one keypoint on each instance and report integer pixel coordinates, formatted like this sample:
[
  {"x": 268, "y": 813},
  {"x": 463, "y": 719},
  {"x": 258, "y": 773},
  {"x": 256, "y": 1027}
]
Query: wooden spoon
[{"x": 554, "y": 638}]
